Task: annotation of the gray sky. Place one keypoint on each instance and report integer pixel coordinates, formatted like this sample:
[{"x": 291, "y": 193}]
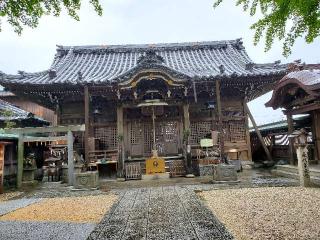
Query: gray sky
[{"x": 145, "y": 21}]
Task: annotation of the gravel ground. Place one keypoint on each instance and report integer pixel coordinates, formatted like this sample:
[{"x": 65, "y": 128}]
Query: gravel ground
[
  {"x": 20, "y": 230},
  {"x": 56, "y": 189},
  {"x": 87, "y": 209},
  {"x": 12, "y": 205},
  {"x": 170, "y": 212},
  {"x": 9, "y": 195},
  {"x": 268, "y": 213}
]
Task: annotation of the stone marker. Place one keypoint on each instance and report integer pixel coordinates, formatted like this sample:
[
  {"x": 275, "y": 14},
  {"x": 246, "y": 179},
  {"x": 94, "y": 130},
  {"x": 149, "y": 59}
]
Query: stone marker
[
  {"x": 86, "y": 180},
  {"x": 223, "y": 172}
]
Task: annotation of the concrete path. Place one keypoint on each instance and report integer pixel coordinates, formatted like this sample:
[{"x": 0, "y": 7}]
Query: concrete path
[
  {"x": 29, "y": 230},
  {"x": 170, "y": 212}
]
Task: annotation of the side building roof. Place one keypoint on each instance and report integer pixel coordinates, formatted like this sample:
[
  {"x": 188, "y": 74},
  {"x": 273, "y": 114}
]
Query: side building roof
[
  {"x": 8, "y": 112},
  {"x": 306, "y": 77}
]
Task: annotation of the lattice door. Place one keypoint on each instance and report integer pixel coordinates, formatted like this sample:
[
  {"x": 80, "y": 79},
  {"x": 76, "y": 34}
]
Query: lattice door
[
  {"x": 136, "y": 138},
  {"x": 167, "y": 138},
  {"x": 107, "y": 136}
]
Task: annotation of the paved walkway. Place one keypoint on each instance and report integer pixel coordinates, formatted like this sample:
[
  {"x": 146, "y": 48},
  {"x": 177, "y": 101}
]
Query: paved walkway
[{"x": 170, "y": 212}]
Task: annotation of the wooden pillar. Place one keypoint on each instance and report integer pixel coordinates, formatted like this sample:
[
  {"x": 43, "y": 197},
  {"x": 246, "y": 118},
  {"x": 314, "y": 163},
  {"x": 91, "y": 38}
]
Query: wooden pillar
[
  {"x": 57, "y": 116},
  {"x": 87, "y": 123},
  {"x": 186, "y": 117},
  {"x": 316, "y": 133},
  {"x": 247, "y": 133},
  {"x": 186, "y": 128},
  {"x": 120, "y": 141},
  {"x": 266, "y": 150},
  {"x": 2, "y": 150},
  {"x": 290, "y": 130},
  {"x": 219, "y": 116},
  {"x": 20, "y": 160},
  {"x": 70, "y": 158}
]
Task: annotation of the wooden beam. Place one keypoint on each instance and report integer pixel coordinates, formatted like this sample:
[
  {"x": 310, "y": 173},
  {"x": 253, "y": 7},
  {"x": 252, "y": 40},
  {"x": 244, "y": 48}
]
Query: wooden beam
[
  {"x": 219, "y": 116},
  {"x": 70, "y": 158},
  {"x": 43, "y": 139},
  {"x": 266, "y": 150},
  {"x": 303, "y": 109},
  {"x": 290, "y": 130},
  {"x": 20, "y": 160},
  {"x": 86, "y": 122},
  {"x": 49, "y": 129}
]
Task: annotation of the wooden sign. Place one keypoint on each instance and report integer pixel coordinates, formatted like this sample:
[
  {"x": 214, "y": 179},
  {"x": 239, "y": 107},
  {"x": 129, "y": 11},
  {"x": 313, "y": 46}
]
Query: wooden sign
[
  {"x": 1, "y": 166},
  {"x": 155, "y": 165}
]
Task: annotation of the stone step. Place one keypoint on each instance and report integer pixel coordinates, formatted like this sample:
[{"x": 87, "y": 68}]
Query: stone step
[
  {"x": 315, "y": 176},
  {"x": 294, "y": 169}
]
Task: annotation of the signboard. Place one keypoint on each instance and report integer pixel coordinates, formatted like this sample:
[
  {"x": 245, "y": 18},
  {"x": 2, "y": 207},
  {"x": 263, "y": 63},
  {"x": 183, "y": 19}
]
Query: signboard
[
  {"x": 155, "y": 165},
  {"x": 1, "y": 166},
  {"x": 206, "y": 142}
]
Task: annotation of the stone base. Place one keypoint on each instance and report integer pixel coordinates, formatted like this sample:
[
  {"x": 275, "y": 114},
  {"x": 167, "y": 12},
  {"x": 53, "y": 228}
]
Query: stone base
[
  {"x": 237, "y": 164},
  {"x": 224, "y": 172},
  {"x": 206, "y": 170},
  {"x": 28, "y": 174},
  {"x": 64, "y": 177},
  {"x": 190, "y": 176},
  {"x": 27, "y": 184},
  {"x": 121, "y": 179},
  {"x": 155, "y": 176},
  {"x": 86, "y": 180}
]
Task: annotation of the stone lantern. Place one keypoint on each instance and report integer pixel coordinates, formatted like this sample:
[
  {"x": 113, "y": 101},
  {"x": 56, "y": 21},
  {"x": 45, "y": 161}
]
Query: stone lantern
[{"x": 300, "y": 143}]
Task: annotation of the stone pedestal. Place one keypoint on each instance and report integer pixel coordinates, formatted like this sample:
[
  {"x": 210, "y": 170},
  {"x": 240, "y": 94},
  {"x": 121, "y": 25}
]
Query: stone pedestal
[
  {"x": 86, "y": 180},
  {"x": 28, "y": 174},
  {"x": 206, "y": 170},
  {"x": 78, "y": 168},
  {"x": 64, "y": 175},
  {"x": 237, "y": 164},
  {"x": 155, "y": 176},
  {"x": 303, "y": 166},
  {"x": 223, "y": 172},
  {"x": 28, "y": 178}
]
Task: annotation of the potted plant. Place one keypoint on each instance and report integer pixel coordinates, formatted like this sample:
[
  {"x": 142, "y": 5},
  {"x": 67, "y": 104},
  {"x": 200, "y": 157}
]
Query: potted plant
[{"x": 29, "y": 167}]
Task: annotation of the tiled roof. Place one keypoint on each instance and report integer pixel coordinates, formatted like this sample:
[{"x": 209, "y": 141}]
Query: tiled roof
[
  {"x": 279, "y": 124},
  {"x": 106, "y": 63},
  {"x": 14, "y": 112},
  {"x": 305, "y": 77}
]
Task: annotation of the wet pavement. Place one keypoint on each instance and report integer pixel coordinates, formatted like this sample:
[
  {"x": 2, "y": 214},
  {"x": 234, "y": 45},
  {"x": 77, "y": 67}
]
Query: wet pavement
[{"x": 169, "y": 212}]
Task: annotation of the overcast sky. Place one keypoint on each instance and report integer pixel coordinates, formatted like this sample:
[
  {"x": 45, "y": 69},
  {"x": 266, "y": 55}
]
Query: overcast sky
[{"x": 145, "y": 21}]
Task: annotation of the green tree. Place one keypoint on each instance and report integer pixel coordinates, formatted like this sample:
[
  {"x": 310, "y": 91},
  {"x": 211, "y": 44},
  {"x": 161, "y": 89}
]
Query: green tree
[
  {"x": 7, "y": 114},
  {"x": 285, "y": 20},
  {"x": 20, "y": 13}
]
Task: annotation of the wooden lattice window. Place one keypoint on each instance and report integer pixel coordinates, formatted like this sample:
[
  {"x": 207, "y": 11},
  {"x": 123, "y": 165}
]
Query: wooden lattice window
[
  {"x": 170, "y": 131},
  {"x": 136, "y": 133},
  {"x": 107, "y": 136},
  {"x": 148, "y": 138},
  {"x": 237, "y": 131},
  {"x": 199, "y": 130}
]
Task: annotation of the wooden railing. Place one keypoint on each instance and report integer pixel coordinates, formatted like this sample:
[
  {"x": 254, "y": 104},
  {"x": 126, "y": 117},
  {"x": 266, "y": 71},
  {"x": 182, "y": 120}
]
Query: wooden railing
[{"x": 107, "y": 155}]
